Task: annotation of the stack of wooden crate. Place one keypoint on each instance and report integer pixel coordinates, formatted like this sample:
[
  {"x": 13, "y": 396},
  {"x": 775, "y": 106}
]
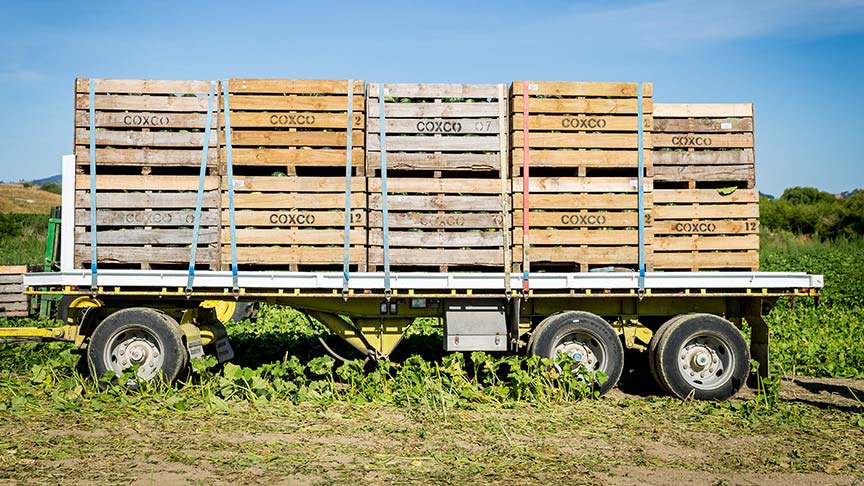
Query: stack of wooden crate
[
  {"x": 582, "y": 143},
  {"x": 13, "y": 303},
  {"x": 706, "y": 214},
  {"x": 289, "y": 140},
  {"x": 149, "y": 139},
  {"x": 447, "y": 190}
]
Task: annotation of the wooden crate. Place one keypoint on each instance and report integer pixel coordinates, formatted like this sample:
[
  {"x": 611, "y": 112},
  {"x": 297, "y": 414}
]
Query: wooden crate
[
  {"x": 706, "y": 229},
  {"x": 446, "y": 155},
  {"x": 289, "y": 145},
  {"x": 583, "y": 174},
  {"x": 149, "y": 143},
  {"x": 13, "y": 303},
  {"x": 704, "y": 145}
]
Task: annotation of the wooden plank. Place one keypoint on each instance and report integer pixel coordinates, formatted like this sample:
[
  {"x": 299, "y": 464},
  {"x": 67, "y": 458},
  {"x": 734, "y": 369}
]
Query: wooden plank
[
  {"x": 702, "y": 125},
  {"x": 582, "y": 201},
  {"x": 149, "y": 254},
  {"x": 144, "y": 103},
  {"x": 146, "y": 218},
  {"x": 314, "y": 185},
  {"x": 293, "y": 86},
  {"x": 584, "y": 236},
  {"x": 148, "y": 139},
  {"x": 424, "y": 240},
  {"x": 430, "y": 90},
  {"x": 293, "y": 103},
  {"x": 295, "y": 139},
  {"x": 460, "y": 186},
  {"x": 284, "y": 236},
  {"x": 705, "y": 173},
  {"x": 403, "y": 161},
  {"x": 581, "y": 88},
  {"x": 711, "y": 211},
  {"x": 581, "y": 184},
  {"x": 703, "y": 157},
  {"x": 152, "y": 120},
  {"x": 306, "y": 119},
  {"x": 13, "y": 269},
  {"x": 289, "y": 201},
  {"x": 143, "y": 86},
  {"x": 437, "y": 256},
  {"x": 308, "y": 255},
  {"x": 432, "y": 110},
  {"x": 577, "y": 219},
  {"x": 705, "y": 196},
  {"x": 145, "y": 200},
  {"x": 437, "y": 221},
  {"x": 572, "y": 123},
  {"x": 703, "y": 110},
  {"x": 580, "y": 158},
  {"x": 280, "y": 218},
  {"x": 439, "y": 126},
  {"x": 539, "y": 140},
  {"x": 707, "y": 243},
  {"x": 7, "y": 280},
  {"x": 620, "y": 106},
  {"x": 156, "y": 158},
  {"x": 436, "y": 203},
  {"x": 697, "y": 226},
  {"x": 12, "y": 298},
  {"x": 161, "y": 236},
  {"x": 14, "y": 288},
  {"x": 705, "y": 260},
  {"x": 107, "y": 182},
  {"x": 266, "y": 157},
  {"x": 612, "y": 255},
  {"x": 703, "y": 141}
]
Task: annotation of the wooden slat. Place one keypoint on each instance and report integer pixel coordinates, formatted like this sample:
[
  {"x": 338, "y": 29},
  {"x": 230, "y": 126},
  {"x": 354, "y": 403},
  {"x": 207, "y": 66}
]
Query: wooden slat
[
  {"x": 472, "y": 239},
  {"x": 587, "y": 255},
  {"x": 308, "y": 255},
  {"x": 147, "y": 139},
  {"x": 705, "y": 196},
  {"x": 293, "y": 103},
  {"x": 13, "y": 288},
  {"x": 581, "y": 158},
  {"x": 702, "y": 125},
  {"x": 151, "y": 120},
  {"x": 295, "y": 139},
  {"x": 287, "y": 219},
  {"x": 106, "y": 182},
  {"x": 403, "y": 161},
  {"x": 157, "y": 158},
  {"x": 435, "y": 256},
  {"x": 145, "y": 200},
  {"x": 703, "y": 141},
  {"x": 706, "y": 260},
  {"x": 435, "y": 203},
  {"x": 579, "y": 140},
  {"x": 584, "y": 236},
  {"x": 12, "y": 298},
  {"x": 292, "y": 200},
  {"x": 161, "y": 236},
  {"x": 12, "y": 269},
  {"x": 704, "y": 243},
  {"x": 428, "y": 185},
  {"x": 712, "y": 211},
  {"x": 585, "y": 123},
  {"x": 581, "y": 184},
  {"x": 284, "y": 236},
  {"x": 305, "y": 120},
  {"x": 292, "y": 86},
  {"x": 429, "y": 90},
  {"x": 138, "y": 254},
  {"x": 620, "y": 106},
  {"x": 142, "y": 86},
  {"x": 581, "y": 201},
  {"x": 432, "y": 126},
  {"x": 433, "y": 110},
  {"x": 579, "y": 88},
  {"x": 266, "y": 157},
  {"x": 702, "y": 157},
  {"x": 705, "y": 173},
  {"x": 144, "y": 103},
  {"x": 294, "y": 184},
  {"x": 577, "y": 219},
  {"x": 697, "y": 226},
  {"x": 450, "y": 220},
  {"x": 146, "y": 217},
  {"x": 704, "y": 110}
]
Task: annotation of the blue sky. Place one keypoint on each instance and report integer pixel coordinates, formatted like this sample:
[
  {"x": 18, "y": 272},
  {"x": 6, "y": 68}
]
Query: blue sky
[{"x": 800, "y": 62}]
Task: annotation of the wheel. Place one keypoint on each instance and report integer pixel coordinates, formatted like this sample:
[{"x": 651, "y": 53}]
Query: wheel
[
  {"x": 138, "y": 336},
  {"x": 584, "y": 337},
  {"x": 653, "y": 346},
  {"x": 702, "y": 356}
]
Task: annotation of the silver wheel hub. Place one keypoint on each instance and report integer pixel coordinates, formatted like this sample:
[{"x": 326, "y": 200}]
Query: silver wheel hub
[
  {"x": 584, "y": 348},
  {"x": 134, "y": 347},
  {"x": 705, "y": 362}
]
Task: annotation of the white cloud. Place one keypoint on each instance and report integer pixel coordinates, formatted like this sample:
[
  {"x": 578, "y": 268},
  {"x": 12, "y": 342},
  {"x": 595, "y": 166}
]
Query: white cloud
[{"x": 19, "y": 75}]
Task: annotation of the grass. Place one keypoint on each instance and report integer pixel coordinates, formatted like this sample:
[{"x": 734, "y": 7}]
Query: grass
[
  {"x": 22, "y": 238},
  {"x": 24, "y": 199}
]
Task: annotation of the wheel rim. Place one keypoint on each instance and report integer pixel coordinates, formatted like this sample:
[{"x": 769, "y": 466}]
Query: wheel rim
[
  {"x": 134, "y": 346},
  {"x": 706, "y": 362},
  {"x": 585, "y": 348}
]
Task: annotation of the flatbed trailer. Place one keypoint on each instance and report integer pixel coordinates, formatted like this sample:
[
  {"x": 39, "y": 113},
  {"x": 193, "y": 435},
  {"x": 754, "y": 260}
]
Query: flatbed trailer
[{"x": 688, "y": 322}]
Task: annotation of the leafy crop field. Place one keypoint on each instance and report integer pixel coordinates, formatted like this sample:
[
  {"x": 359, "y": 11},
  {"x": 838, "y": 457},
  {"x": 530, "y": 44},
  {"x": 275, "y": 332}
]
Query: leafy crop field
[{"x": 285, "y": 412}]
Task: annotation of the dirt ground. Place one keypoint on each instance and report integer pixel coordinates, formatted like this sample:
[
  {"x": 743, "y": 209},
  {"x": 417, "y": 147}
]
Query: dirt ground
[{"x": 624, "y": 439}]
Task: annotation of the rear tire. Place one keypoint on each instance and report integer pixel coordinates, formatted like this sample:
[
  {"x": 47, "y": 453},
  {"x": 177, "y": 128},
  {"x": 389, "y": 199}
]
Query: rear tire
[
  {"x": 585, "y": 337},
  {"x": 702, "y": 356},
  {"x": 138, "y": 336}
]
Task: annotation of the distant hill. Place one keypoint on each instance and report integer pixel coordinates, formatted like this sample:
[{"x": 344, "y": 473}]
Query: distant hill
[
  {"x": 57, "y": 179},
  {"x": 769, "y": 196},
  {"x": 846, "y": 194},
  {"x": 15, "y": 198}
]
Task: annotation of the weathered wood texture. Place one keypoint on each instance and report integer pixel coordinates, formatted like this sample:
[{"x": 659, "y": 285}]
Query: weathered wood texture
[
  {"x": 289, "y": 140},
  {"x": 704, "y": 145},
  {"x": 13, "y": 303},
  {"x": 706, "y": 229},
  {"x": 447, "y": 200},
  {"x": 146, "y": 123},
  {"x": 146, "y": 221},
  {"x": 582, "y": 142}
]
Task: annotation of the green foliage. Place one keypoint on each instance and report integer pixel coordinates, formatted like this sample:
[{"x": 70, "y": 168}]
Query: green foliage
[
  {"x": 808, "y": 211},
  {"x": 22, "y": 238},
  {"x": 52, "y": 187}
]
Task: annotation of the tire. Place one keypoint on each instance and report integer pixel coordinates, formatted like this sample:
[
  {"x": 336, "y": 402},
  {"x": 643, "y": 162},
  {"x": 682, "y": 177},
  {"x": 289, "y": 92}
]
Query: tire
[
  {"x": 586, "y": 337},
  {"x": 653, "y": 346},
  {"x": 142, "y": 336},
  {"x": 701, "y": 356}
]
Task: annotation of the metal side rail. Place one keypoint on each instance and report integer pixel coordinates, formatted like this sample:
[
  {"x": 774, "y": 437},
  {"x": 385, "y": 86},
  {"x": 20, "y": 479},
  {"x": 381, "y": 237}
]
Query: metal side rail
[{"x": 221, "y": 282}]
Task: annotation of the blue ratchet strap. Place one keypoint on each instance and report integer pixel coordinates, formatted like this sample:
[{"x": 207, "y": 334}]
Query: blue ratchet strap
[
  {"x": 200, "y": 199},
  {"x": 93, "y": 266},
  {"x": 349, "y": 135},
  {"x": 386, "y": 218},
  {"x": 641, "y": 168},
  {"x": 230, "y": 168}
]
